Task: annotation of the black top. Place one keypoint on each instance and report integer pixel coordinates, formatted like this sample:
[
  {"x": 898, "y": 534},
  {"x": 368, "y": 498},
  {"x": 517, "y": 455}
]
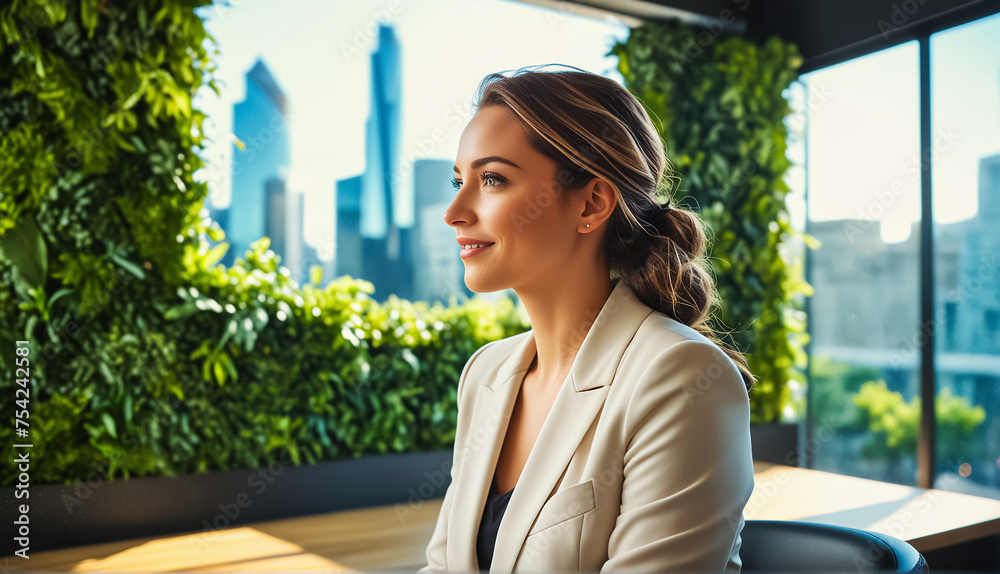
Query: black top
[{"x": 496, "y": 504}]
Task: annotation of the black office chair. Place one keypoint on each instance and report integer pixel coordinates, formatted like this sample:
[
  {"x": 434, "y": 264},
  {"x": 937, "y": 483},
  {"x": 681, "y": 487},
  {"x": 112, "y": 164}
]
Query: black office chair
[{"x": 775, "y": 546}]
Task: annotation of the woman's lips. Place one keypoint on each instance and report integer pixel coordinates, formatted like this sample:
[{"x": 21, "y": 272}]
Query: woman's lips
[{"x": 466, "y": 253}]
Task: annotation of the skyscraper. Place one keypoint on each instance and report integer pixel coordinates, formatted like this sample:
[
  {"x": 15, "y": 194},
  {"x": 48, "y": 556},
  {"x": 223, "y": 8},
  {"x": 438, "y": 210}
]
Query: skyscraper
[
  {"x": 978, "y": 291},
  {"x": 349, "y": 227},
  {"x": 386, "y": 253},
  {"x": 260, "y": 122}
]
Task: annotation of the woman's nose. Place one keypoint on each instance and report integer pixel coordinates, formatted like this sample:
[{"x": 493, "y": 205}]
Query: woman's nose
[{"x": 458, "y": 212}]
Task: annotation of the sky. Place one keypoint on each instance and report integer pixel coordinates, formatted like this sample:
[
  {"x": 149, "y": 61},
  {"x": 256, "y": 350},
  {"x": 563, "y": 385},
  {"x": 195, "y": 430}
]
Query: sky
[
  {"x": 864, "y": 130},
  {"x": 863, "y": 115},
  {"x": 320, "y": 52}
]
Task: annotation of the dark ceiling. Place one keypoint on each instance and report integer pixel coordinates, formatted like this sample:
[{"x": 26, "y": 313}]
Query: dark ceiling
[{"x": 825, "y": 31}]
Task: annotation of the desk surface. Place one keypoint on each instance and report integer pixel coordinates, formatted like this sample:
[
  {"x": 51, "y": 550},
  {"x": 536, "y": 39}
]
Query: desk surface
[
  {"x": 926, "y": 518},
  {"x": 393, "y": 538}
]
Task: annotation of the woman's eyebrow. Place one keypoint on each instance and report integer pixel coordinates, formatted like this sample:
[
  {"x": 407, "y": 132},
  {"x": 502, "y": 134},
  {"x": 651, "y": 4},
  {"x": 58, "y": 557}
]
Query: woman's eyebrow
[{"x": 492, "y": 158}]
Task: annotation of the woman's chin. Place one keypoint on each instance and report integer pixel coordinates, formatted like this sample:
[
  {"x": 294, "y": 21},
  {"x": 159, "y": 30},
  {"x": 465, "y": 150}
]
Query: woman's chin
[{"x": 481, "y": 284}]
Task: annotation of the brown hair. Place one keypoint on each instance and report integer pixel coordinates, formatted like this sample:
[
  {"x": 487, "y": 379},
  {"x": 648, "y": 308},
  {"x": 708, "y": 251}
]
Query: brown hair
[{"x": 592, "y": 126}]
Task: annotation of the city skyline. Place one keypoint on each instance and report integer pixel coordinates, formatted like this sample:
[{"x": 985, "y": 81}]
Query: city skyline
[{"x": 327, "y": 139}]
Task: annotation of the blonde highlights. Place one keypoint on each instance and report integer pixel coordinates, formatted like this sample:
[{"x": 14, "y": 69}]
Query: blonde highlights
[{"x": 591, "y": 126}]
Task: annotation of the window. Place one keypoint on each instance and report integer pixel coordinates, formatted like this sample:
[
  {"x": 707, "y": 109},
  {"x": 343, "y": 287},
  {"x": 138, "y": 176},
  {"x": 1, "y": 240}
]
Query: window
[
  {"x": 862, "y": 138},
  {"x": 864, "y": 189},
  {"x": 965, "y": 120}
]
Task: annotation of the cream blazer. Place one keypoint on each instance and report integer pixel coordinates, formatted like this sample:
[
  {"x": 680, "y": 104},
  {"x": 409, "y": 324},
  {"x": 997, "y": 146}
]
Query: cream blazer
[{"x": 643, "y": 462}]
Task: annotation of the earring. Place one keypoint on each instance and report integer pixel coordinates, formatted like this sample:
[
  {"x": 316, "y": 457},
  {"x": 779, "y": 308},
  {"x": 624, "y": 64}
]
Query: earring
[{"x": 588, "y": 226}]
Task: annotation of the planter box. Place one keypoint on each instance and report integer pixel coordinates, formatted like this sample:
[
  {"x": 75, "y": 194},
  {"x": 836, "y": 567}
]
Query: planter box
[
  {"x": 775, "y": 442},
  {"x": 98, "y": 510}
]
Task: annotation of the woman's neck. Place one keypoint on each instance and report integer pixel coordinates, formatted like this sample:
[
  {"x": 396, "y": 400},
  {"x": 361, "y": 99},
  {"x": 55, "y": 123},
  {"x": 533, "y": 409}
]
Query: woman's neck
[{"x": 560, "y": 318}]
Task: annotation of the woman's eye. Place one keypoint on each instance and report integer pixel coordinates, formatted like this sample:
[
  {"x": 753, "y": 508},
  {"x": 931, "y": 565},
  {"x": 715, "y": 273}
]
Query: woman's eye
[{"x": 485, "y": 176}]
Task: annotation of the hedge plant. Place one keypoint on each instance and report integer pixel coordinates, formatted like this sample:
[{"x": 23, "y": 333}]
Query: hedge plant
[
  {"x": 893, "y": 423},
  {"x": 718, "y": 101},
  {"x": 148, "y": 357}
]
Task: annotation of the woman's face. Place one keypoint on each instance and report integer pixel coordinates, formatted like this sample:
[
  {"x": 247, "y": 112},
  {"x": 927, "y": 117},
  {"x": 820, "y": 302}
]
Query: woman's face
[{"x": 509, "y": 198}]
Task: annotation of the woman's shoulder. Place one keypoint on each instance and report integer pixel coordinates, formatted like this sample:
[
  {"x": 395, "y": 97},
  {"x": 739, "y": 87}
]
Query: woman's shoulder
[
  {"x": 660, "y": 331},
  {"x": 675, "y": 350}
]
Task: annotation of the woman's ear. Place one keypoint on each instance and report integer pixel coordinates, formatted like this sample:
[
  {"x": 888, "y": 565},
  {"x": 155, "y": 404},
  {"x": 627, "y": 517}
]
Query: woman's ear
[{"x": 599, "y": 201}]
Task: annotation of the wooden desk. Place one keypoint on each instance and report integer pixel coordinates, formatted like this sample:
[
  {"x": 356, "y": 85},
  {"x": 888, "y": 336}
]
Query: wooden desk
[
  {"x": 381, "y": 538},
  {"x": 369, "y": 540},
  {"x": 926, "y": 518}
]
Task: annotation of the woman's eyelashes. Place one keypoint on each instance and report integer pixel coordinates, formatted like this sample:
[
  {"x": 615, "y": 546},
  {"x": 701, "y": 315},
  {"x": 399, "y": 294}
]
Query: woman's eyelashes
[{"x": 486, "y": 175}]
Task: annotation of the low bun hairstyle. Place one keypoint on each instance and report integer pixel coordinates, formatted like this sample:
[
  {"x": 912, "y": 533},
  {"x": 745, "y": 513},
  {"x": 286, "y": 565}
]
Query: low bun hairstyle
[{"x": 591, "y": 126}]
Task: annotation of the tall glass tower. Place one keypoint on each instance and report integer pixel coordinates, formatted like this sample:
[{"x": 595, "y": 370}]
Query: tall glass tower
[
  {"x": 385, "y": 246},
  {"x": 260, "y": 122}
]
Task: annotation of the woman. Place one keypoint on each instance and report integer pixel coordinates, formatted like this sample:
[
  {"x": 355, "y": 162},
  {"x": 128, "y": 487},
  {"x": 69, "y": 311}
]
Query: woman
[{"x": 614, "y": 435}]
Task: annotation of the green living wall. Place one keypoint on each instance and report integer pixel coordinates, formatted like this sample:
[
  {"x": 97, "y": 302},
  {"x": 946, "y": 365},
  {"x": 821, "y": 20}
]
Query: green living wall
[
  {"x": 147, "y": 357},
  {"x": 720, "y": 107}
]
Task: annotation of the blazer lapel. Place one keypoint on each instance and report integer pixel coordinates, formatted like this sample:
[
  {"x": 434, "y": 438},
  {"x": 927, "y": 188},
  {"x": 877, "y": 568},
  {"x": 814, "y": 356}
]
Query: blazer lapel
[
  {"x": 481, "y": 450},
  {"x": 576, "y": 405}
]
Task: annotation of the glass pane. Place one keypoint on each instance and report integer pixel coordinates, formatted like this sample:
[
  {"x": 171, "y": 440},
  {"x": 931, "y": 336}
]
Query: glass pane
[
  {"x": 965, "y": 114},
  {"x": 863, "y": 205}
]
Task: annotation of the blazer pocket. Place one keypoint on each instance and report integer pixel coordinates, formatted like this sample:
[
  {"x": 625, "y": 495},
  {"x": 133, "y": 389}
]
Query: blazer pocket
[{"x": 564, "y": 505}]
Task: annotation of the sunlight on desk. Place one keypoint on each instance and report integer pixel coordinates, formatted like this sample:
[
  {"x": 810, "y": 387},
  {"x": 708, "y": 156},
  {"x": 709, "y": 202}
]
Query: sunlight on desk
[
  {"x": 243, "y": 548},
  {"x": 369, "y": 539}
]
